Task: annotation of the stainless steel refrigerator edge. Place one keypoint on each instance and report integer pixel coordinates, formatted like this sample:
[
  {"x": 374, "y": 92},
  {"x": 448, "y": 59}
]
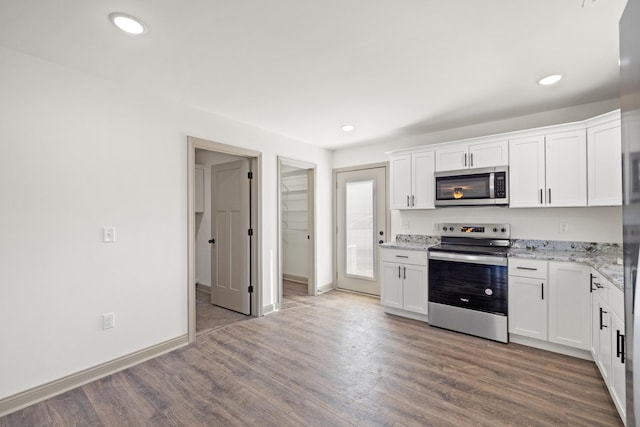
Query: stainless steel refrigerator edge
[{"x": 630, "y": 106}]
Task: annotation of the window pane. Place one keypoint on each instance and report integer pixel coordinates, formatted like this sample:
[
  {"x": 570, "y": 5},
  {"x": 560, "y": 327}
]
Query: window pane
[{"x": 359, "y": 228}]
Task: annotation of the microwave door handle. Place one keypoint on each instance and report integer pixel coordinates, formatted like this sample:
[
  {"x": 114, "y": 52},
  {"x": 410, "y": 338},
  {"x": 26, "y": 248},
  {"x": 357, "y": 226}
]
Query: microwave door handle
[{"x": 492, "y": 189}]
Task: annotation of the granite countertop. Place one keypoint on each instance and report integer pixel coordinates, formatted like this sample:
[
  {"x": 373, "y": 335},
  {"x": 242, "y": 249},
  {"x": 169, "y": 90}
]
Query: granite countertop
[
  {"x": 605, "y": 258},
  {"x": 606, "y": 264}
]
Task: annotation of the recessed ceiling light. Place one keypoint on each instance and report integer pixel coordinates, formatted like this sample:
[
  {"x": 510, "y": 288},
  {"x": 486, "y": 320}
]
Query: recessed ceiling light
[
  {"x": 550, "y": 80},
  {"x": 127, "y": 23},
  {"x": 348, "y": 128}
]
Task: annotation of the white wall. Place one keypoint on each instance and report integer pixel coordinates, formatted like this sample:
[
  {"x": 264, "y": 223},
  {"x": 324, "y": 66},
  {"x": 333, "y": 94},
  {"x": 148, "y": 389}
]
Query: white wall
[
  {"x": 78, "y": 153},
  {"x": 585, "y": 224},
  {"x": 203, "y": 220},
  {"x": 601, "y": 224}
]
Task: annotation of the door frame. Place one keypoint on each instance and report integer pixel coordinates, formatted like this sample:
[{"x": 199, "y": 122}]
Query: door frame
[
  {"x": 311, "y": 168},
  {"x": 255, "y": 158},
  {"x": 387, "y": 205}
]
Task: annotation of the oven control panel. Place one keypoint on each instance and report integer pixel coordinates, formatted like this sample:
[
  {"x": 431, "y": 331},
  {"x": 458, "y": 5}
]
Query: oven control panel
[{"x": 501, "y": 231}]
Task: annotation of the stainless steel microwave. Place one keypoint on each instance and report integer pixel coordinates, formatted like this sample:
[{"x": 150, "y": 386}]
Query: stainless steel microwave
[{"x": 472, "y": 187}]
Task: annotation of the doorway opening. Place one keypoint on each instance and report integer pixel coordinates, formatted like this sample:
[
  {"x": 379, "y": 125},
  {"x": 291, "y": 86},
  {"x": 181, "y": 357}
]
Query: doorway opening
[
  {"x": 362, "y": 221},
  {"x": 296, "y": 213},
  {"x": 223, "y": 234}
]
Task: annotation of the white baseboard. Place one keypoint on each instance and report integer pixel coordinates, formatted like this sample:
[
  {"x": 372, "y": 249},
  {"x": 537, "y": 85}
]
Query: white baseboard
[
  {"x": 549, "y": 346},
  {"x": 326, "y": 288},
  {"x": 38, "y": 394},
  {"x": 203, "y": 287},
  {"x": 266, "y": 309},
  {"x": 294, "y": 278}
]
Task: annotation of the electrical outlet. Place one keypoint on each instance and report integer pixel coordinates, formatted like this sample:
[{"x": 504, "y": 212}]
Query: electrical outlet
[
  {"x": 109, "y": 234},
  {"x": 405, "y": 224},
  {"x": 108, "y": 320},
  {"x": 564, "y": 227}
]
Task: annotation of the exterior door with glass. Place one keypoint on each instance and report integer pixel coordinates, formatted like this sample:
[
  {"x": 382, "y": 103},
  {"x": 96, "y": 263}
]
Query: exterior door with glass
[{"x": 361, "y": 208}]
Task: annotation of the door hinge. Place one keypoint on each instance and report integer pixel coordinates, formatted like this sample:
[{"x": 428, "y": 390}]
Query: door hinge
[
  {"x": 251, "y": 232},
  {"x": 250, "y": 289},
  {"x": 250, "y": 175}
]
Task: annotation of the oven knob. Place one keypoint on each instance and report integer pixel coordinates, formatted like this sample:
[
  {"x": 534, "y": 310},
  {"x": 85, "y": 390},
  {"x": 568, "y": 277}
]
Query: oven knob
[
  {"x": 495, "y": 230},
  {"x": 504, "y": 230},
  {"x": 450, "y": 228},
  {"x": 444, "y": 228}
]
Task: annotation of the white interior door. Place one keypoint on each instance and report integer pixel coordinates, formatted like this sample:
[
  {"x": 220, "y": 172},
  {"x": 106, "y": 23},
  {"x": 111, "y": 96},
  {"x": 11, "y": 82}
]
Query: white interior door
[
  {"x": 230, "y": 223},
  {"x": 361, "y": 207}
]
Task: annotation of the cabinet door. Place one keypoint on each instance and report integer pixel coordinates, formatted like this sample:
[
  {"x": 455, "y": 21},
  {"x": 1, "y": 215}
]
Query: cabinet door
[
  {"x": 527, "y": 172},
  {"x": 604, "y": 165},
  {"x": 603, "y": 335},
  {"x": 569, "y": 305},
  {"x": 400, "y": 182},
  {"x": 528, "y": 307},
  {"x": 617, "y": 375},
  {"x": 487, "y": 154},
  {"x": 566, "y": 169},
  {"x": 391, "y": 284},
  {"x": 452, "y": 157},
  {"x": 423, "y": 181},
  {"x": 415, "y": 288}
]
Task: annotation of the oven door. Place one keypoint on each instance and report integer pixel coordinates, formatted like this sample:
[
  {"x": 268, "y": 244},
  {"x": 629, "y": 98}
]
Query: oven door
[{"x": 474, "y": 282}]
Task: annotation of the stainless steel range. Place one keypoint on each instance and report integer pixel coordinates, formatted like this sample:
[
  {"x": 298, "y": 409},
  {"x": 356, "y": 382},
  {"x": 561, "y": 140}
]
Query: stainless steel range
[{"x": 468, "y": 280}]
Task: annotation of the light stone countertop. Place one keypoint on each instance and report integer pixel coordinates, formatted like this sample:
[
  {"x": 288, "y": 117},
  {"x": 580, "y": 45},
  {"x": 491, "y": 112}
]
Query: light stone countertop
[{"x": 604, "y": 262}]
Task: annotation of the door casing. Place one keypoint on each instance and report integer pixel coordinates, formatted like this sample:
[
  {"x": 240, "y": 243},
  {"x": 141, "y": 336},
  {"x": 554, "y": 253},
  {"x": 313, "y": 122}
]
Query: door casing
[
  {"x": 311, "y": 168},
  {"x": 335, "y": 212},
  {"x": 194, "y": 143}
]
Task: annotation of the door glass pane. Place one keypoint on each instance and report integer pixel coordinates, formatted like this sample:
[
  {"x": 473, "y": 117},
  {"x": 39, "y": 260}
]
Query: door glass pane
[{"x": 359, "y": 228}]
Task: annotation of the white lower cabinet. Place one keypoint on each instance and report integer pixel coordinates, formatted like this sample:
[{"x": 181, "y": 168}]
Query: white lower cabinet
[
  {"x": 617, "y": 380},
  {"x": 404, "y": 281},
  {"x": 570, "y": 305},
  {"x": 550, "y": 301},
  {"x": 527, "y": 300},
  {"x": 608, "y": 347}
]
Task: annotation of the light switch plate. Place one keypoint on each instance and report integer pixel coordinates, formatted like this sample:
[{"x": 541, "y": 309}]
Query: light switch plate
[{"x": 109, "y": 234}]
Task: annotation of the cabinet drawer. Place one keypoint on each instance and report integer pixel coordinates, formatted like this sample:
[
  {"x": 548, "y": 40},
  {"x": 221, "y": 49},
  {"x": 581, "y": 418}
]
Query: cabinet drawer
[
  {"x": 600, "y": 286},
  {"x": 528, "y": 268},
  {"x": 404, "y": 256}
]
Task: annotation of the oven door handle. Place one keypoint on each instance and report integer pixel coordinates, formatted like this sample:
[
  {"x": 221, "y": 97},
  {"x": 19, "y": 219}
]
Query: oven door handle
[{"x": 468, "y": 258}]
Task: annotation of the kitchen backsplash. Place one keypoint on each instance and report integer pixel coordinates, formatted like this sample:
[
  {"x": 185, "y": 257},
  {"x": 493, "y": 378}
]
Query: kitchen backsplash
[
  {"x": 557, "y": 245},
  {"x": 418, "y": 239}
]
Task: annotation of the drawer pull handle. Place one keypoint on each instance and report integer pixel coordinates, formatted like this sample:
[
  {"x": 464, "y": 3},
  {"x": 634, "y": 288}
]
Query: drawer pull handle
[
  {"x": 402, "y": 256},
  {"x": 527, "y": 268}
]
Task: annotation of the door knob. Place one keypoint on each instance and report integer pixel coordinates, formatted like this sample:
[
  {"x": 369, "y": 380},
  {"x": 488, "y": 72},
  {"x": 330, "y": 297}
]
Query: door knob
[
  {"x": 212, "y": 241},
  {"x": 381, "y": 241},
  {"x": 381, "y": 233}
]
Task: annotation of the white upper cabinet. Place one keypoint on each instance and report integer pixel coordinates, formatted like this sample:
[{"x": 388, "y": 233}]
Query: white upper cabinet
[
  {"x": 527, "y": 172},
  {"x": 566, "y": 169},
  {"x": 488, "y": 154},
  {"x": 401, "y": 182},
  {"x": 412, "y": 180},
  {"x": 472, "y": 155},
  {"x": 604, "y": 157},
  {"x": 548, "y": 170}
]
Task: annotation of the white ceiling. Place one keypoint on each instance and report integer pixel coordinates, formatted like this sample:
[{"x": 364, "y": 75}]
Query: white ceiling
[{"x": 303, "y": 68}]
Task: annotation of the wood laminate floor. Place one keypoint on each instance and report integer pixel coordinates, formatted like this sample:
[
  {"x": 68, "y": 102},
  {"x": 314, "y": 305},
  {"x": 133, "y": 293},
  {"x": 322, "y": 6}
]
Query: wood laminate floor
[{"x": 338, "y": 362}]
